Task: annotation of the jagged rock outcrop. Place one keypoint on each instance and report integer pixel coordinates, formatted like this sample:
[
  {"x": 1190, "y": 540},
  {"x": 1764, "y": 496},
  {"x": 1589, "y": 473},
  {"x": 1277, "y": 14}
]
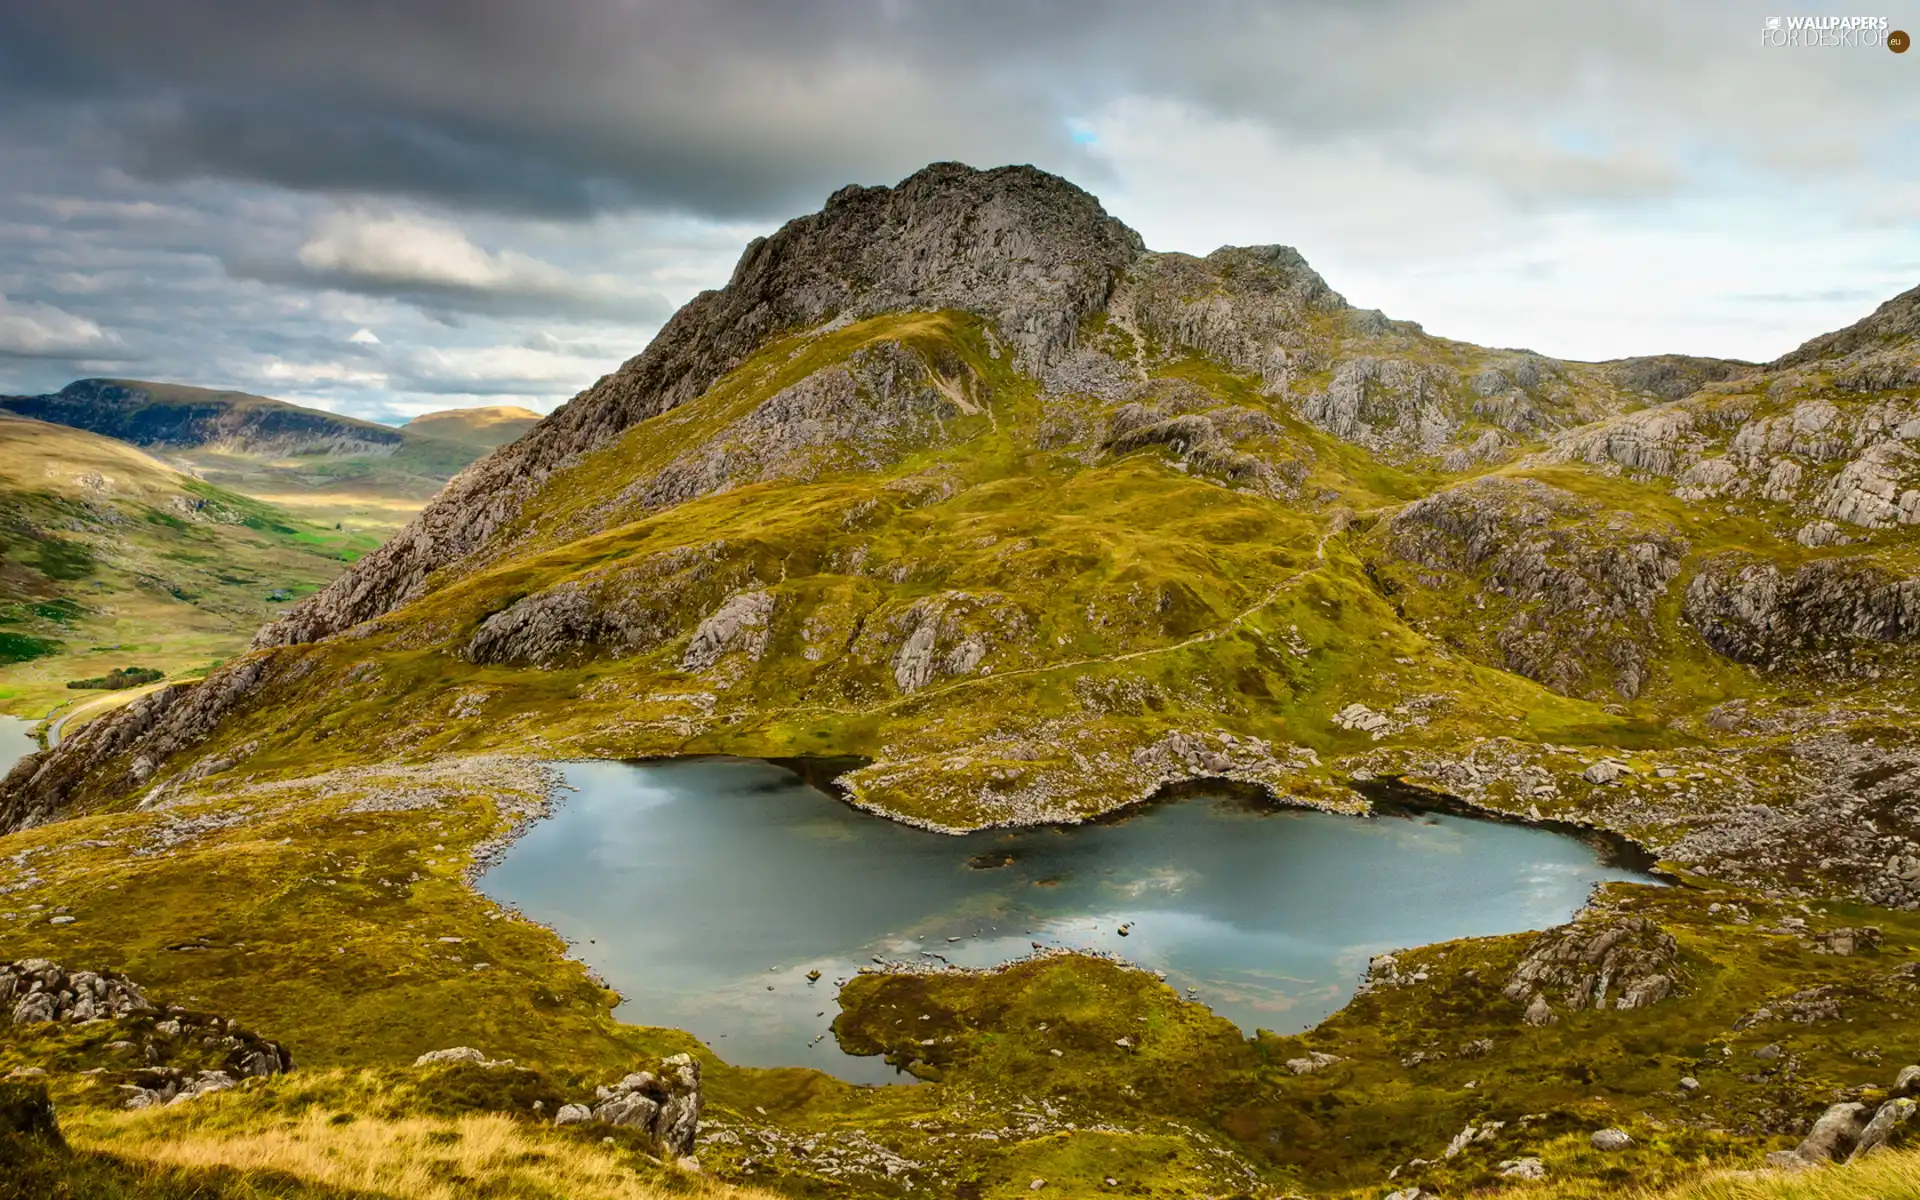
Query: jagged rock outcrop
[
  {"x": 35, "y": 990},
  {"x": 665, "y": 1106},
  {"x": 1600, "y": 962},
  {"x": 1028, "y": 250},
  {"x": 38, "y": 991},
  {"x": 1583, "y": 582},
  {"x": 149, "y": 730},
  {"x": 1820, "y": 614}
]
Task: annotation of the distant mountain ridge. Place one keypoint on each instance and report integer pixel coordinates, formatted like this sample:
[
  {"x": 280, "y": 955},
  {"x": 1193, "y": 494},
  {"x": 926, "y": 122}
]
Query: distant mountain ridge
[{"x": 175, "y": 416}]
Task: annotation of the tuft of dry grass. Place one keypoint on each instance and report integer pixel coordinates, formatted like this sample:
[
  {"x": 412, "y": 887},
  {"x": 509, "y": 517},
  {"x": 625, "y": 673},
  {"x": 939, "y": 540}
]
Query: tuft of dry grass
[{"x": 408, "y": 1158}]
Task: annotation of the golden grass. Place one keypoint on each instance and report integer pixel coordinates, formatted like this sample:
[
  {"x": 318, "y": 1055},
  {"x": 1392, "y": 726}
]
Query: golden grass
[
  {"x": 410, "y": 1158},
  {"x": 1890, "y": 1175}
]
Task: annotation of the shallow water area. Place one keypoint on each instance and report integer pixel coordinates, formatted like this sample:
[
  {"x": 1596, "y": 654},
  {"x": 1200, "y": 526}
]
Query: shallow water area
[
  {"x": 704, "y": 890},
  {"x": 15, "y": 741}
]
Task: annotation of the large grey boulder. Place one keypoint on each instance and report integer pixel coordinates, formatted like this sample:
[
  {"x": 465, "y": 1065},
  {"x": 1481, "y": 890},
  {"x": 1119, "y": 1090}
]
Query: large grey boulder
[
  {"x": 1610, "y": 1139},
  {"x": 1835, "y": 1134}
]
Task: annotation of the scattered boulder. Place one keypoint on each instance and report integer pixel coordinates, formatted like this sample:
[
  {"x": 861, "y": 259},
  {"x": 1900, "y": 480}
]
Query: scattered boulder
[
  {"x": 1314, "y": 1061},
  {"x": 1610, "y": 1139},
  {"x": 572, "y": 1114},
  {"x": 1361, "y": 719},
  {"x": 1523, "y": 1168},
  {"x": 38, "y": 991},
  {"x": 1604, "y": 772},
  {"x": 459, "y": 1054},
  {"x": 1470, "y": 1135},
  {"x": 1847, "y": 941},
  {"x": 170, "y": 1085}
]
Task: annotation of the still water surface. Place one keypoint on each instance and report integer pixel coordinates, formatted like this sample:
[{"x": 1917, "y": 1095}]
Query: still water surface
[
  {"x": 705, "y": 889},
  {"x": 14, "y": 742}
]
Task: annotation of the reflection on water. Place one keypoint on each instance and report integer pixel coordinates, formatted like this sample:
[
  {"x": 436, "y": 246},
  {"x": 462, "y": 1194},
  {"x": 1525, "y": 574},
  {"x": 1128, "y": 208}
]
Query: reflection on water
[
  {"x": 706, "y": 889},
  {"x": 15, "y": 744}
]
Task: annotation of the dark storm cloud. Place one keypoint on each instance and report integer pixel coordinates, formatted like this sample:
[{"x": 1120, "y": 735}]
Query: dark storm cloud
[
  {"x": 228, "y": 191},
  {"x": 736, "y": 109}
]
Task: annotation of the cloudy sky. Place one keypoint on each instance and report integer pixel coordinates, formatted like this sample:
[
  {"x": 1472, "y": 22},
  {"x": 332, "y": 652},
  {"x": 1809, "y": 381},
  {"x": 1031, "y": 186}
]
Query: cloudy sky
[{"x": 385, "y": 207}]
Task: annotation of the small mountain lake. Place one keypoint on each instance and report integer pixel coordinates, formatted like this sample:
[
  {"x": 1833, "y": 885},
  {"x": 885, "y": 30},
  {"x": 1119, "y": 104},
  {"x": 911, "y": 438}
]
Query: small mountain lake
[
  {"x": 704, "y": 890},
  {"x": 15, "y": 742}
]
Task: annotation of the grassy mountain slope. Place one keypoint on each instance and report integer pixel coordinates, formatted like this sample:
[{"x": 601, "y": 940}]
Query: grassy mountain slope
[
  {"x": 112, "y": 558},
  {"x": 495, "y": 425},
  {"x": 959, "y": 480}
]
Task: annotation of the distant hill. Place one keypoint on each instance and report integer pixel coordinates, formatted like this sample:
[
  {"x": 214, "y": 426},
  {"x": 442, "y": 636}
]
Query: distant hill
[
  {"x": 173, "y": 416},
  {"x": 493, "y": 426},
  {"x": 324, "y": 466},
  {"x": 108, "y": 555}
]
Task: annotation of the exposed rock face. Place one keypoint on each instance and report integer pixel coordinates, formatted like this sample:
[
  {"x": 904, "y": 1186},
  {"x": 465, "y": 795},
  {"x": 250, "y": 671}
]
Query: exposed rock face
[
  {"x": 1026, "y": 249},
  {"x": 1247, "y": 306},
  {"x": 885, "y": 402},
  {"x": 1621, "y": 962},
  {"x": 1383, "y": 402},
  {"x": 1675, "y": 376},
  {"x": 629, "y": 608},
  {"x": 154, "y": 727},
  {"x": 1873, "y": 354},
  {"x": 1819, "y": 614},
  {"x": 1584, "y": 583},
  {"x": 738, "y": 625},
  {"x": 664, "y": 1106}
]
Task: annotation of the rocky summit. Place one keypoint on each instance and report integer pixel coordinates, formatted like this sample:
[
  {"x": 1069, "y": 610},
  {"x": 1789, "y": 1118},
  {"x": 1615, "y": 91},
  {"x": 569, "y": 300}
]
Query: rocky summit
[{"x": 958, "y": 486}]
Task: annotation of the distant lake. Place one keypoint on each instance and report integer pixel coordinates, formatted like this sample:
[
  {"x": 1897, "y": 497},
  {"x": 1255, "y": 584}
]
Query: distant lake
[
  {"x": 705, "y": 889},
  {"x": 15, "y": 743}
]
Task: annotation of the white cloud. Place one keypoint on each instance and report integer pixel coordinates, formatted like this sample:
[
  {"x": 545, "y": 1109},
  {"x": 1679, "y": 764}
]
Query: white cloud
[
  {"x": 36, "y": 330},
  {"x": 280, "y": 372},
  {"x": 408, "y": 251},
  {"x": 1459, "y": 240},
  {"x": 495, "y": 370},
  {"x": 364, "y": 337}
]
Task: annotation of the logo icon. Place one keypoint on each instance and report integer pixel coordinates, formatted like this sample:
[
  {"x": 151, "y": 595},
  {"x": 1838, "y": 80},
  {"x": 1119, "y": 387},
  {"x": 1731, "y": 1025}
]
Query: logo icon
[
  {"x": 1773, "y": 23},
  {"x": 1898, "y": 41}
]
